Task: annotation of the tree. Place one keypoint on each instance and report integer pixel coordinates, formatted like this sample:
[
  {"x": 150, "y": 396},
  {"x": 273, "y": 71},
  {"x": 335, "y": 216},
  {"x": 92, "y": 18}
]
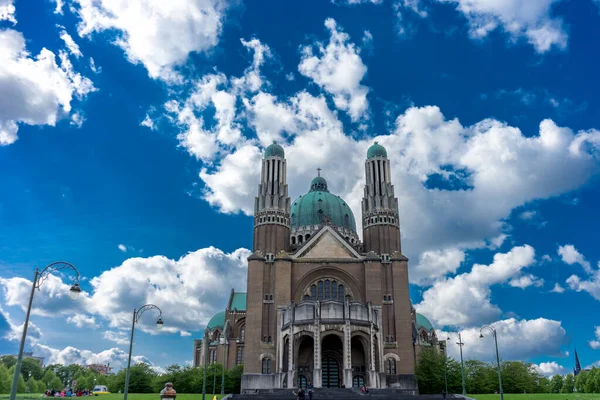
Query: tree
[
  {"x": 568, "y": 384},
  {"x": 30, "y": 365},
  {"x": 21, "y": 386},
  {"x": 8, "y": 361},
  {"x": 580, "y": 381},
  {"x": 5, "y": 379},
  {"x": 481, "y": 377},
  {"x": 556, "y": 384},
  {"x": 592, "y": 384},
  {"x": 430, "y": 371}
]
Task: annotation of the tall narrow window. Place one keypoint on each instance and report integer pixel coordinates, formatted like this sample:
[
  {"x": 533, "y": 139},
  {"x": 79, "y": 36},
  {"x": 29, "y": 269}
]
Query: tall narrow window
[
  {"x": 391, "y": 366},
  {"x": 320, "y": 283},
  {"x": 313, "y": 292},
  {"x": 341, "y": 293},
  {"x": 334, "y": 294},
  {"x": 266, "y": 366},
  {"x": 243, "y": 334},
  {"x": 240, "y": 356},
  {"x": 327, "y": 289}
]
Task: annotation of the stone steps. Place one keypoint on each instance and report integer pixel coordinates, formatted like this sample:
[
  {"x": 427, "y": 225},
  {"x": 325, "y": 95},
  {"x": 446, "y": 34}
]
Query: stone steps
[{"x": 337, "y": 394}]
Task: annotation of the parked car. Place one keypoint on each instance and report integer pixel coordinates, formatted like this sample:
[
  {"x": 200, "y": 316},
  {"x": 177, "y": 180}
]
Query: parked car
[{"x": 99, "y": 389}]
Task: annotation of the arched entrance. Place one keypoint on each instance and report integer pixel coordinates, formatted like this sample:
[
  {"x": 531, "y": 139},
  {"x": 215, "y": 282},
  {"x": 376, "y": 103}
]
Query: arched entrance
[
  {"x": 305, "y": 359},
  {"x": 331, "y": 361},
  {"x": 358, "y": 345}
]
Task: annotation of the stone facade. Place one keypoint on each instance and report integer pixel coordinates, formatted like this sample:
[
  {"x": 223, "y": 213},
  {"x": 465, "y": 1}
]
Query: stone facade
[{"x": 326, "y": 309}]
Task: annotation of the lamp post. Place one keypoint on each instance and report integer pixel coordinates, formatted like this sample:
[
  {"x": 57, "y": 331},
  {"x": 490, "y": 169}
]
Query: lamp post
[
  {"x": 136, "y": 318},
  {"x": 224, "y": 342},
  {"x": 28, "y": 380},
  {"x": 462, "y": 364},
  {"x": 205, "y": 344},
  {"x": 214, "y": 365},
  {"x": 38, "y": 278},
  {"x": 446, "y": 370},
  {"x": 495, "y": 335}
]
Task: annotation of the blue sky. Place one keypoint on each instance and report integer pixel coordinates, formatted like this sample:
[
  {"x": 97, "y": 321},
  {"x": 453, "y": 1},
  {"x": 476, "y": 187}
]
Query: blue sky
[{"x": 131, "y": 133}]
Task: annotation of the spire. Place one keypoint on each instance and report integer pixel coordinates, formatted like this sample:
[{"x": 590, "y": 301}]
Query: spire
[{"x": 577, "y": 369}]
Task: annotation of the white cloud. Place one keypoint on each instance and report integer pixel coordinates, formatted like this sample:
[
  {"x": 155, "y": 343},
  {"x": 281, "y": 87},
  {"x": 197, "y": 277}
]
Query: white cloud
[
  {"x": 116, "y": 357},
  {"x": 7, "y": 11},
  {"x": 338, "y": 69},
  {"x": 188, "y": 291},
  {"x": 77, "y": 119},
  {"x": 595, "y": 344},
  {"x": 122, "y": 247},
  {"x": 70, "y": 43},
  {"x": 591, "y": 285},
  {"x": 569, "y": 255},
  {"x": 525, "y": 281},
  {"x": 558, "y": 289},
  {"x": 531, "y": 20},
  {"x": 59, "y": 7},
  {"x": 36, "y": 91},
  {"x": 177, "y": 28},
  {"x": 117, "y": 337},
  {"x": 528, "y": 215},
  {"x": 467, "y": 297},
  {"x": 148, "y": 123},
  {"x": 550, "y": 368},
  {"x": 12, "y": 332},
  {"x": 434, "y": 264},
  {"x": 93, "y": 66},
  {"x": 81, "y": 320},
  {"x": 351, "y": 2},
  {"x": 517, "y": 340}
]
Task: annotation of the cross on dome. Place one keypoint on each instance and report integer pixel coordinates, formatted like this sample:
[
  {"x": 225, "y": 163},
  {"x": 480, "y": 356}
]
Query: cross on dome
[{"x": 319, "y": 171}]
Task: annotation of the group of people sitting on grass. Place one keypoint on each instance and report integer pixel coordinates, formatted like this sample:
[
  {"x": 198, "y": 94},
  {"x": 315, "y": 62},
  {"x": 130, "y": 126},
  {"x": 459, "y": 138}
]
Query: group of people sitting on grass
[{"x": 67, "y": 392}]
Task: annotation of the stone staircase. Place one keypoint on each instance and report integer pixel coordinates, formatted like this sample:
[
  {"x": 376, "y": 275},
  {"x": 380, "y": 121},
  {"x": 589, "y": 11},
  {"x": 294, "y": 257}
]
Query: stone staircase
[{"x": 337, "y": 394}]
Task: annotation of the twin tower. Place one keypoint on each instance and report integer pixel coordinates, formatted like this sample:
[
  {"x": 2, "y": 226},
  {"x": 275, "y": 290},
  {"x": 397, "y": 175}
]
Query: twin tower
[{"x": 280, "y": 225}]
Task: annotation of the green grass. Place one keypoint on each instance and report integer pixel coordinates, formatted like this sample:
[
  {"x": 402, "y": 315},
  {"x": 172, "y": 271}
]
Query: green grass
[{"x": 538, "y": 396}]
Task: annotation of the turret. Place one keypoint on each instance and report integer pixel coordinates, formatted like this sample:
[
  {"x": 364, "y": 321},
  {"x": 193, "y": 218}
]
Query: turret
[
  {"x": 381, "y": 227},
  {"x": 272, "y": 204}
]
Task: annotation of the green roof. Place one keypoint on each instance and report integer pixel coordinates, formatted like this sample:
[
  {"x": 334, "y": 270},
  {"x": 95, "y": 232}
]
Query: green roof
[
  {"x": 238, "y": 302},
  {"x": 422, "y": 321},
  {"x": 376, "y": 150},
  {"x": 318, "y": 205},
  {"x": 217, "y": 321},
  {"x": 274, "y": 150}
]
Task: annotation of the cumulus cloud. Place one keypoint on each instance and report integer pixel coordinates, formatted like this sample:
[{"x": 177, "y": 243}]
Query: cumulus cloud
[
  {"x": 558, "y": 289},
  {"x": 529, "y": 20},
  {"x": 70, "y": 43},
  {"x": 80, "y": 320},
  {"x": 569, "y": 255},
  {"x": 338, "y": 68},
  {"x": 517, "y": 340},
  {"x": 116, "y": 357},
  {"x": 595, "y": 344},
  {"x": 177, "y": 28},
  {"x": 435, "y": 264},
  {"x": 122, "y": 247},
  {"x": 36, "y": 90},
  {"x": 550, "y": 368},
  {"x": 7, "y": 11},
  {"x": 117, "y": 337},
  {"x": 591, "y": 284},
  {"x": 526, "y": 281},
  {"x": 467, "y": 297}
]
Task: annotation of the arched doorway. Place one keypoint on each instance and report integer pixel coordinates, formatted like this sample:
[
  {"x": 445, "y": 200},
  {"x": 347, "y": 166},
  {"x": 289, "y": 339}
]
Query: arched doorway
[
  {"x": 331, "y": 361},
  {"x": 358, "y": 346},
  {"x": 302, "y": 381},
  {"x": 305, "y": 357}
]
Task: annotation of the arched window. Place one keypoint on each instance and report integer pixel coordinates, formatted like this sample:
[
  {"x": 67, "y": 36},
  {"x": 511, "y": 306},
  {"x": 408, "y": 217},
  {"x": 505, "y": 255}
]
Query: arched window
[
  {"x": 391, "y": 366},
  {"x": 313, "y": 292},
  {"x": 300, "y": 239},
  {"x": 327, "y": 289},
  {"x": 266, "y": 366},
  {"x": 293, "y": 239},
  {"x": 341, "y": 293},
  {"x": 243, "y": 333},
  {"x": 320, "y": 283},
  {"x": 424, "y": 337},
  {"x": 334, "y": 290},
  {"x": 307, "y": 237}
]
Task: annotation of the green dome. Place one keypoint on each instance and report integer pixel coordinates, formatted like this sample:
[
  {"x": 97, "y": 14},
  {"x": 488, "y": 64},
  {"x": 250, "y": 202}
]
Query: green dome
[
  {"x": 376, "y": 150},
  {"x": 217, "y": 321},
  {"x": 422, "y": 321},
  {"x": 318, "y": 205},
  {"x": 274, "y": 150}
]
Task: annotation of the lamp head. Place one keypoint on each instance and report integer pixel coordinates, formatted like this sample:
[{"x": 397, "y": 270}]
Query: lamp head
[
  {"x": 74, "y": 291},
  {"x": 159, "y": 323}
]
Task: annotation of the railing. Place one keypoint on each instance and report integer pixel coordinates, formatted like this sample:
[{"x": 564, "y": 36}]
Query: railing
[{"x": 329, "y": 311}]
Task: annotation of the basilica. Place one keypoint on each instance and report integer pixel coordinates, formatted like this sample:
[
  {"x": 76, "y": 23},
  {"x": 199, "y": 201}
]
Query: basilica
[{"x": 321, "y": 305}]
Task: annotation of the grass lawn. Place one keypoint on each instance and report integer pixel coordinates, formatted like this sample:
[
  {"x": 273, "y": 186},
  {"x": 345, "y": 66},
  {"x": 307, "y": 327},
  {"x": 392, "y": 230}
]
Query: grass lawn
[{"x": 538, "y": 396}]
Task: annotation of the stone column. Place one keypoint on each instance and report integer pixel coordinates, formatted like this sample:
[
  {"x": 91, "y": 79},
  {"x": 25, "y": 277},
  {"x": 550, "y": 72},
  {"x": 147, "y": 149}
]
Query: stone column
[
  {"x": 347, "y": 354},
  {"x": 291, "y": 375},
  {"x": 279, "y": 334},
  {"x": 372, "y": 373},
  {"x": 317, "y": 377}
]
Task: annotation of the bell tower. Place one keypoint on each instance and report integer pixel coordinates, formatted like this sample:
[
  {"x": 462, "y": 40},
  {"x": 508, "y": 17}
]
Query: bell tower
[
  {"x": 381, "y": 226},
  {"x": 272, "y": 204}
]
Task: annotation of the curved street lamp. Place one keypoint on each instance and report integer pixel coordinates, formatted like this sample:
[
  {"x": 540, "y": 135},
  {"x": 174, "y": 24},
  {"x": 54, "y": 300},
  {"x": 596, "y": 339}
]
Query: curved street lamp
[
  {"x": 136, "y": 318},
  {"x": 205, "y": 345},
  {"x": 495, "y": 335},
  {"x": 224, "y": 342},
  {"x": 462, "y": 364},
  {"x": 38, "y": 278}
]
